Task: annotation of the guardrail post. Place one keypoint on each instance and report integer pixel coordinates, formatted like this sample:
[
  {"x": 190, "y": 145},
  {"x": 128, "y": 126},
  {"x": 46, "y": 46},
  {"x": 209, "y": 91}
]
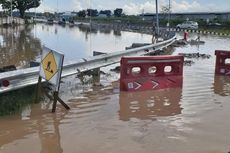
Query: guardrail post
[
  {"x": 96, "y": 77},
  {"x": 38, "y": 89}
]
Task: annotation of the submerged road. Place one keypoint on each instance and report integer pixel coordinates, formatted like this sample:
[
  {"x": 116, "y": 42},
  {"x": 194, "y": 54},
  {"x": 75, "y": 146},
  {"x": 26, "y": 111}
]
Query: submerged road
[{"x": 190, "y": 119}]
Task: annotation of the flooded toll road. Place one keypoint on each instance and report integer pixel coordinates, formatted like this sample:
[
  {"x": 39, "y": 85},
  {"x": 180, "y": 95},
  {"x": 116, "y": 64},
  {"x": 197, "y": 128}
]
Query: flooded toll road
[{"x": 102, "y": 119}]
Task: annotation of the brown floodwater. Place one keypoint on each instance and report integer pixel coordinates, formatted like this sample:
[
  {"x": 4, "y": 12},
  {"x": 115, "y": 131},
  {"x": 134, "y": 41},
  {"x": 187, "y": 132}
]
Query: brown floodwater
[{"x": 193, "y": 119}]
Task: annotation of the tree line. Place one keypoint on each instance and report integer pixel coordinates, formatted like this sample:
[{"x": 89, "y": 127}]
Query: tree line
[
  {"x": 118, "y": 12},
  {"x": 23, "y": 5}
]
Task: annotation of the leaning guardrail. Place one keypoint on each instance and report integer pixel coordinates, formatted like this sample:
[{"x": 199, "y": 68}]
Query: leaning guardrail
[{"x": 25, "y": 77}]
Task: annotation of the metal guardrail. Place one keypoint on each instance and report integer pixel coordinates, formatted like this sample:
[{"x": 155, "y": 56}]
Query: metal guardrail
[{"x": 26, "y": 77}]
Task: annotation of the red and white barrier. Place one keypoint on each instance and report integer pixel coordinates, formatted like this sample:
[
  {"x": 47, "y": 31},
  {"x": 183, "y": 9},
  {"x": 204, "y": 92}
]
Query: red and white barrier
[
  {"x": 222, "y": 62},
  {"x": 151, "y": 73}
]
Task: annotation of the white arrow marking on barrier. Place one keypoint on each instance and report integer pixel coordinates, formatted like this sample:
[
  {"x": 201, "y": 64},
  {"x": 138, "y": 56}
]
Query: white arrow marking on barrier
[
  {"x": 222, "y": 70},
  {"x": 228, "y": 73},
  {"x": 155, "y": 84},
  {"x": 138, "y": 85}
]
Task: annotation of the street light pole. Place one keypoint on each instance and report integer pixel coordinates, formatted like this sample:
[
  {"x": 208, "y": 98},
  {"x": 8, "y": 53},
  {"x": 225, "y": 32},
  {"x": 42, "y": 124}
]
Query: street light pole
[
  {"x": 35, "y": 11},
  {"x": 11, "y": 14},
  {"x": 157, "y": 18},
  {"x": 169, "y": 11}
]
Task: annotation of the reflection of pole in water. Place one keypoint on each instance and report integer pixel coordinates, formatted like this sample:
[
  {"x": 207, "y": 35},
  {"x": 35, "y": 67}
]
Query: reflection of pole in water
[
  {"x": 55, "y": 30},
  {"x": 38, "y": 122},
  {"x": 150, "y": 104},
  {"x": 50, "y": 139},
  {"x": 50, "y": 142}
]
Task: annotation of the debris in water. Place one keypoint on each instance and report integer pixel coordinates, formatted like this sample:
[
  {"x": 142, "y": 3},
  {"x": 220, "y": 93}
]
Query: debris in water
[
  {"x": 180, "y": 42},
  {"x": 196, "y": 42},
  {"x": 188, "y": 62},
  {"x": 116, "y": 69},
  {"x": 195, "y": 55}
]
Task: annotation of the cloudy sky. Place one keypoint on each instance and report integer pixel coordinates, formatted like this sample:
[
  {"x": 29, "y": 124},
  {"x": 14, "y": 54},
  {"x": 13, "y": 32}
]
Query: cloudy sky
[{"x": 135, "y": 6}]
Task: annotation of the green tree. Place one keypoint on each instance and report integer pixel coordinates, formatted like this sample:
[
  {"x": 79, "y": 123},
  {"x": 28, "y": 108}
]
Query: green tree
[
  {"x": 82, "y": 14},
  {"x": 92, "y": 12},
  {"x": 106, "y": 12},
  {"x": 118, "y": 12},
  {"x": 21, "y": 5}
]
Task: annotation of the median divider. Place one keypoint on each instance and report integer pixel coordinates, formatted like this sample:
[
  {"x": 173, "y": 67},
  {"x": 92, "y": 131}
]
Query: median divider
[{"x": 200, "y": 31}]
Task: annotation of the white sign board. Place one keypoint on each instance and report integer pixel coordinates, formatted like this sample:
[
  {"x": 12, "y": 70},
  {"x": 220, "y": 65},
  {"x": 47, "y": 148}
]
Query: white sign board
[{"x": 51, "y": 66}]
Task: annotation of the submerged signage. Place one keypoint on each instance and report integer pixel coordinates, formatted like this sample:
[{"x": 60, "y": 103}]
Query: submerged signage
[{"x": 51, "y": 65}]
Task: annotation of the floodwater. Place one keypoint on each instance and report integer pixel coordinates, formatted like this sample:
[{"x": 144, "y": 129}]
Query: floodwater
[
  {"x": 193, "y": 119},
  {"x": 22, "y": 45}
]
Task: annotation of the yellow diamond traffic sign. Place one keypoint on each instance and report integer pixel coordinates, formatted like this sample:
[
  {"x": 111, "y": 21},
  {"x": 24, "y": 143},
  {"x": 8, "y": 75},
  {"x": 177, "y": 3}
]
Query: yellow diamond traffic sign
[{"x": 49, "y": 66}]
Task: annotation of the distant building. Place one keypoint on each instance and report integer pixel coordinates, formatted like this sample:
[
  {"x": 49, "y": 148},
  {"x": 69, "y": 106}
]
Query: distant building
[
  {"x": 191, "y": 16},
  {"x": 68, "y": 15},
  {"x": 102, "y": 15}
]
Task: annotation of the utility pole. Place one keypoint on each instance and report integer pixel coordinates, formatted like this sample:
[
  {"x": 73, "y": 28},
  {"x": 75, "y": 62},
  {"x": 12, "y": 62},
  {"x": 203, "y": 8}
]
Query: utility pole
[
  {"x": 57, "y": 11},
  {"x": 169, "y": 11},
  {"x": 157, "y": 19},
  {"x": 11, "y": 13},
  {"x": 35, "y": 11}
]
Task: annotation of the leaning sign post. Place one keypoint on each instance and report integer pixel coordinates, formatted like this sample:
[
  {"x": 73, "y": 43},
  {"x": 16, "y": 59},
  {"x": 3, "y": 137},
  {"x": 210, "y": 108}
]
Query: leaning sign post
[{"x": 51, "y": 70}]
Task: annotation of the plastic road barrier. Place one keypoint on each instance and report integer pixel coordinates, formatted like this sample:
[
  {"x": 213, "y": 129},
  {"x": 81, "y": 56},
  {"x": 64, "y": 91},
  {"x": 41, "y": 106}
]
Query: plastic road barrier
[
  {"x": 151, "y": 73},
  {"x": 222, "y": 62}
]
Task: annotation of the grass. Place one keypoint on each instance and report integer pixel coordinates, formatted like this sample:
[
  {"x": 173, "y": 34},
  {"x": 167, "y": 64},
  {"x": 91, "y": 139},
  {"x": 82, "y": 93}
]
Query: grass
[{"x": 13, "y": 102}]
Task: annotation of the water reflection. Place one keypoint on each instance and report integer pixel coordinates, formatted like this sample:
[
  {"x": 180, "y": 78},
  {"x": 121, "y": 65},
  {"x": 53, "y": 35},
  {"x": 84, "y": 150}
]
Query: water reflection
[
  {"x": 50, "y": 139},
  {"x": 117, "y": 32},
  {"x": 40, "y": 122},
  {"x": 221, "y": 85},
  {"x": 22, "y": 45},
  {"x": 87, "y": 29},
  {"x": 105, "y": 30},
  {"x": 18, "y": 47},
  {"x": 90, "y": 102},
  {"x": 37, "y": 121},
  {"x": 150, "y": 104}
]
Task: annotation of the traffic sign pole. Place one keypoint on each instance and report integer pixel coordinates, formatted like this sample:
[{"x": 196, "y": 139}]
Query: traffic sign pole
[
  {"x": 56, "y": 92},
  {"x": 51, "y": 70}
]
